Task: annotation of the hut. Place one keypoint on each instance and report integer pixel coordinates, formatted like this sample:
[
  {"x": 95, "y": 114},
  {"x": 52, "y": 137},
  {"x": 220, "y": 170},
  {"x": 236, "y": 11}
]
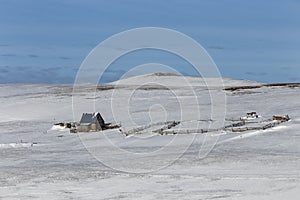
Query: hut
[
  {"x": 90, "y": 122},
  {"x": 252, "y": 115}
]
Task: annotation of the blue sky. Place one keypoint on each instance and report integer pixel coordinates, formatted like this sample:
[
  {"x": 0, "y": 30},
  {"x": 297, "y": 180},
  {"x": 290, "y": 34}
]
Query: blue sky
[{"x": 46, "y": 41}]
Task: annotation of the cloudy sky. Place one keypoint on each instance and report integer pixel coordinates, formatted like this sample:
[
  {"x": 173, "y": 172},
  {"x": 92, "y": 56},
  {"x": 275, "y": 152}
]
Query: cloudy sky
[{"x": 46, "y": 41}]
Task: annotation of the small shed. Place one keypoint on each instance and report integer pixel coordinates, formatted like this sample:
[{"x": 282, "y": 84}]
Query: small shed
[
  {"x": 252, "y": 115},
  {"x": 283, "y": 118},
  {"x": 91, "y": 122}
]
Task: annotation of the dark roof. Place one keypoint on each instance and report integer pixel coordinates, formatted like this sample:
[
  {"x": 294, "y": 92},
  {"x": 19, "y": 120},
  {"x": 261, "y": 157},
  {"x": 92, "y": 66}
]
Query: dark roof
[{"x": 88, "y": 118}]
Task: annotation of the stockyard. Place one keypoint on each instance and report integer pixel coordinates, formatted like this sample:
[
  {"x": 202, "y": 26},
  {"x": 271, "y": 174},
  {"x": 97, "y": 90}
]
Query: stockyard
[{"x": 164, "y": 143}]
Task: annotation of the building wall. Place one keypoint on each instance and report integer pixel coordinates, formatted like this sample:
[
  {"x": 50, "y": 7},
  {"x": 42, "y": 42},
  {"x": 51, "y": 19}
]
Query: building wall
[
  {"x": 90, "y": 127},
  {"x": 83, "y": 128}
]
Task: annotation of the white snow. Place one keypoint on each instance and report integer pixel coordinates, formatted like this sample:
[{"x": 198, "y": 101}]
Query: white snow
[
  {"x": 60, "y": 165},
  {"x": 58, "y": 127},
  {"x": 15, "y": 145}
]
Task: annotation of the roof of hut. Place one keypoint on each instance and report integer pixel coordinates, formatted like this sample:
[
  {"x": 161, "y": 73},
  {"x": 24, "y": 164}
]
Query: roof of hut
[{"x": 89, "y": 118}]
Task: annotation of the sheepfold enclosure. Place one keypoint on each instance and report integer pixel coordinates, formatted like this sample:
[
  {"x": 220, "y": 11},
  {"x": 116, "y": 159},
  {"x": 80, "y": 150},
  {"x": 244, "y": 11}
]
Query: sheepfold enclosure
[{"x": 252, "y": 121}]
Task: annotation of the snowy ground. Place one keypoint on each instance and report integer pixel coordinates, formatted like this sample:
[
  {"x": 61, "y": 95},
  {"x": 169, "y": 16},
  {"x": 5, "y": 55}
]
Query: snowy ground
[{"x": 50, "y": 164}]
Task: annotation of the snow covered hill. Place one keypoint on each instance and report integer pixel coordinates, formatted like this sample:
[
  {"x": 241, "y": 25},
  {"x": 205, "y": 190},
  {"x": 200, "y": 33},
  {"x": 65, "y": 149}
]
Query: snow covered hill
[
  {"x": 168, "y": 79},
  {"x": 37, "y": 162}
]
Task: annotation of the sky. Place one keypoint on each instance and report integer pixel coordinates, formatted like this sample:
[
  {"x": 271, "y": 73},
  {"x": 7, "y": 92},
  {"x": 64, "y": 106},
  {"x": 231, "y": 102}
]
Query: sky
[{"x": 46, "y": 41}]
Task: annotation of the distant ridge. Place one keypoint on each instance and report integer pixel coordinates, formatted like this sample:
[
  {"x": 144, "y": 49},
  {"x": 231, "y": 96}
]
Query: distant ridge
[
  {"x": 291, "y": 85},
  {"x": 164, "y": 74},
  {"x": 177, "y": 80}
]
